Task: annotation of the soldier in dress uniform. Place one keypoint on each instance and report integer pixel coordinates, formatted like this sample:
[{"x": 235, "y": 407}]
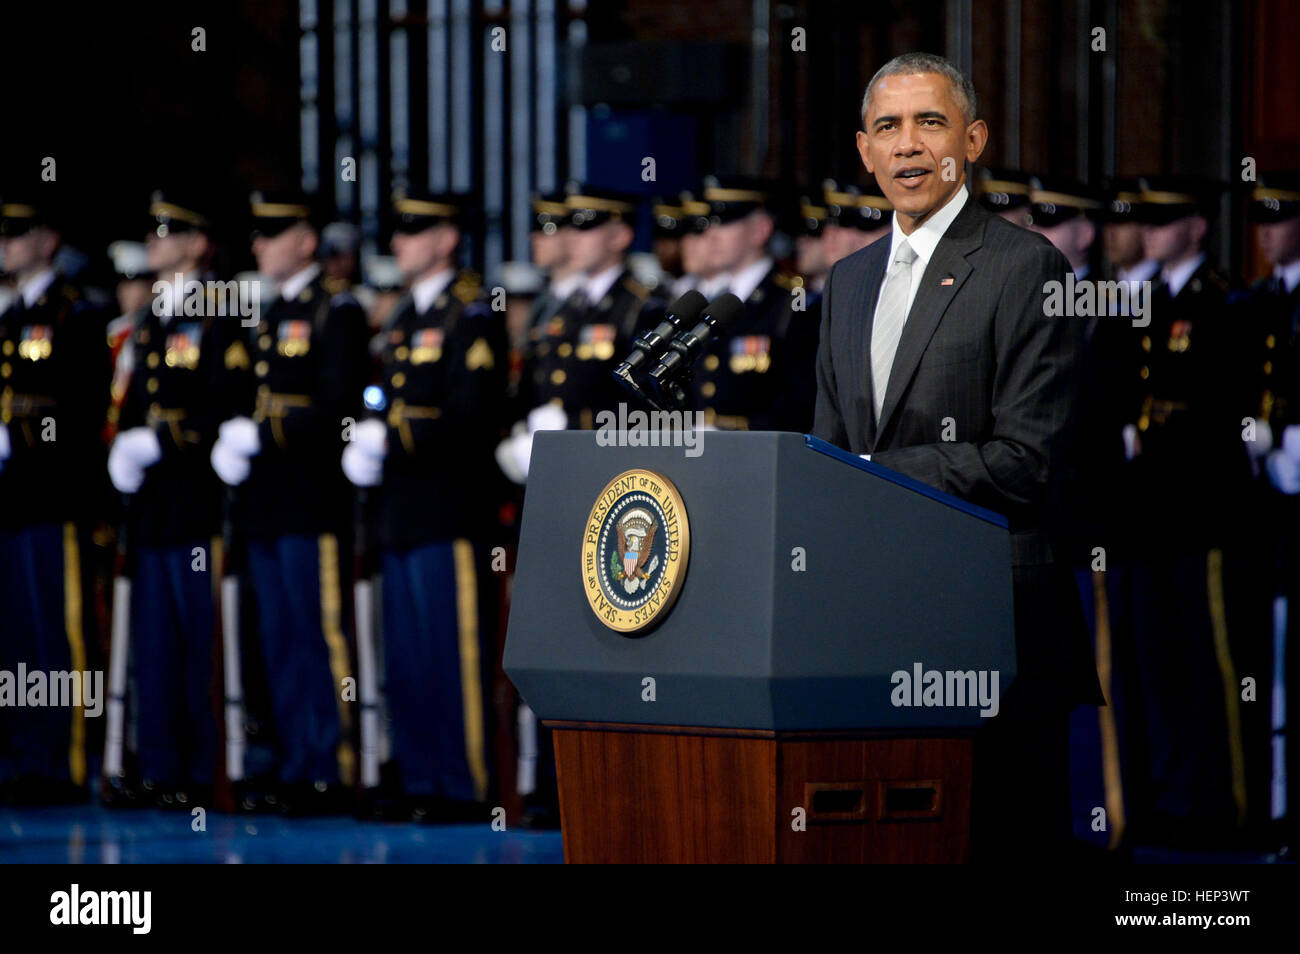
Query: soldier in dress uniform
[
  {"x": 698, "y": 270},
  {"x": 856, "y": 216},
  {"x": 1274, "y": 315},
  {"x": 1004, "y": 192},
  {"x": 567, "y": 380},
  {"x": 181, "y": 371},
  {"x": 429, "y": 454},
  {"x": 812, "y": 247},
  {"x": 54, "y": 371},
  {"x": 1191, "y": 478},
  {"x": 760, "y": 374},
  {"x": 670, "y": 221},
  {"x": 551, "y": 238},
  {"x": 310, "y": 366},
  {"x": 1122, "y": 234},
  {"x": 1067, "y": 213},
  {"x": 578, "y": 347}
]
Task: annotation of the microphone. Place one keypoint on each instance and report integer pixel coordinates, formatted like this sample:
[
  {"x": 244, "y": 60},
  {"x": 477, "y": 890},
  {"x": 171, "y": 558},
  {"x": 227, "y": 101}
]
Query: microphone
[
  {"x": 652, "y": 344},
  {"x": 685, "y": 349}
]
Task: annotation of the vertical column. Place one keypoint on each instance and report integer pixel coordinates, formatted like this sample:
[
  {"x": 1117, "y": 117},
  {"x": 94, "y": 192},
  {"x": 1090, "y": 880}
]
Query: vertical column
[
  {"x": 368, "y": 172},
  {"x": 494, "y": 135},
  {"x": 521, "y": 139},
  {"x": 439, "y": 113},
  {"x": 344, "y": 105},
  {"x": 577, "y": 39},
  {"x": 399, "y": 104},
  {"x": 309, "y": 95}
]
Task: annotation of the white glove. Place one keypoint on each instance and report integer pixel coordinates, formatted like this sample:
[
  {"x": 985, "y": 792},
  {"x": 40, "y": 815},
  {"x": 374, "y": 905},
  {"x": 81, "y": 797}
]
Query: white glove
[
  {"x": 240, "y": 436},
  {"x": 370, "y": 437},
  {"x": 1263, "y": 442},
  {"x": 513, "y": 454},
  {"x": 547, "y": 417},
  {"x": 1291, "y": 442},
  {"x": 126, "y": 474},
  {"x": 139, "y": 445},
  {"x": 1284, "y": 471},
  {"x": 231, "y": 467},
  {"x": 1132, "y": 446},
  {"x": 360, "y": 467}
]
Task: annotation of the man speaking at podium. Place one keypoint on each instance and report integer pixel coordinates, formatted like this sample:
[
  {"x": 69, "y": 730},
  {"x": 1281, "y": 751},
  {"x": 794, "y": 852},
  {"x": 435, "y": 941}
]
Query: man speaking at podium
[{"x": 937, "y": 360}]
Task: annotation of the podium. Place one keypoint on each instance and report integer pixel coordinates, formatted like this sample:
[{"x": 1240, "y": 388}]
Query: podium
[{"x": 812, "y": 691}]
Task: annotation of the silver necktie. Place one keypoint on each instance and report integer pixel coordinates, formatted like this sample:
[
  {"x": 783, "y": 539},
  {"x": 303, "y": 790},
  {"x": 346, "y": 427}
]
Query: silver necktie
[{"x": 891, "y": 315}]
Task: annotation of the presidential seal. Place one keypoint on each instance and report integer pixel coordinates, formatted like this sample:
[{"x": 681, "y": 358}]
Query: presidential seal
[{"x": 634, "y": 551}]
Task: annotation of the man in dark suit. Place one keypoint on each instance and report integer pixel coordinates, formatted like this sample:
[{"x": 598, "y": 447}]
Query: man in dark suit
[{"x": 937, "y": 359}]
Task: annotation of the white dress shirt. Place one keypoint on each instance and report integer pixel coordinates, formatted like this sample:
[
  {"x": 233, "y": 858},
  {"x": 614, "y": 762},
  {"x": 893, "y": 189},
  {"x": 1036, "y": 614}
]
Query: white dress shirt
[
  {"x": 34, "y": 288},
  {"x": 562, "y": 288},
  {"x": 600, "y": 283},
  {"x": 426, "y": 291},
  {"x": 1180, "y": 274},
  {"x": 744, "y": 282},
  {"x": 1289, "y": 274},
  {"x": 711, "y": 288},
  {"x": 1143, "y": 271},
  {"x": 295, "y": 283},
  {"x": 923, "y": 240}
]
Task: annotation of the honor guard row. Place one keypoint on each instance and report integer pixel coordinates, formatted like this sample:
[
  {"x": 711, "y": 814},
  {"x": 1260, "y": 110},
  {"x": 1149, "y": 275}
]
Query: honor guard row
[{"x": 268, "y": 468}]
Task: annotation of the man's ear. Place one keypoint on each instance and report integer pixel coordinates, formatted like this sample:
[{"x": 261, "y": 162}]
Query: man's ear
[
  {"x": 1200, "y": 228},
  {"x": 308, "y": 243},
  {"x": 48, "y": 243},
  {"x": 864, "y": 151},
  {"x": 450, "y": 239},
  {"x": 1087, "y": 233},
  {"x": 623, "y": 237},
  {"x": 977, "y": 137}
]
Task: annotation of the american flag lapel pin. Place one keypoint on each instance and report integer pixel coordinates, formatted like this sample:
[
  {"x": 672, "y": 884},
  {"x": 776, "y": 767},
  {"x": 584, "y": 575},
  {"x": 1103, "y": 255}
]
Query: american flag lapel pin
[{"x": 947, "y": 281}]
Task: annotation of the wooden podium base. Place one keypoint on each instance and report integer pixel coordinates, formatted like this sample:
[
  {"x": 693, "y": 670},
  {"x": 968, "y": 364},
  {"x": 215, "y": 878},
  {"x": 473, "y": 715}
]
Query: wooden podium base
[{"x": 667, "y": 794}]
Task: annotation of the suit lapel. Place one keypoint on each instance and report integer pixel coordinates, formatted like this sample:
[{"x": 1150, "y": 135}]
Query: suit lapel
[
  {"x": 933, "y": 297},
  {"x": 861, "y": 344}
]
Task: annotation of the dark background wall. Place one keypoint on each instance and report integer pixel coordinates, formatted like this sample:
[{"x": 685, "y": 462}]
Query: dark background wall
[{"x": 116, "y": 94}]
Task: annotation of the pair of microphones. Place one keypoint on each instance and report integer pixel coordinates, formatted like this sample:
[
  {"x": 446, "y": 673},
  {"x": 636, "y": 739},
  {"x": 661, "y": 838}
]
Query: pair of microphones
[{"x": 665, "y": 355}]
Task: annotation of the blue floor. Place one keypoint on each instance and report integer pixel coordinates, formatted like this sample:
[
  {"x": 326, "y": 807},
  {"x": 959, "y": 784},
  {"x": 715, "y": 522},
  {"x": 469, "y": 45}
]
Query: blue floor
[{"x": 91, "y": 834}]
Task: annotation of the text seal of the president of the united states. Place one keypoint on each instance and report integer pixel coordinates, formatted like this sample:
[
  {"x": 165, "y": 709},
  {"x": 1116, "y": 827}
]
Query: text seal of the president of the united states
[{"x": 634, "y": 551}]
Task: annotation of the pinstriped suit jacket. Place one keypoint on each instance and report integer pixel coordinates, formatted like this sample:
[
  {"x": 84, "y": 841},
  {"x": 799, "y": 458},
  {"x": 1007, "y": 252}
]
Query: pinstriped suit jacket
[
  {"x": 979, "y": 403},
  {"x": 983, "y": 384}
]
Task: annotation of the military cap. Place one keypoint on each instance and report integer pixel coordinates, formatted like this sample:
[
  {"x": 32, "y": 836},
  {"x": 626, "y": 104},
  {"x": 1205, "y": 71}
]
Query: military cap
[
  {"x": 1275, "y": 198},
  {"x": 813, "y": 214},
  {"x": 130, "y": 259},
  {"x": 695, "y": 213},
  {"x": 339, "y": 238},
  {"x": 381, "y": 272},
  {"x": 174, "y": 212},
  {"x": 855, "y": 207},
  {"x": 1167, "y": 199},
  {"x": 669, "y": 219},
  {"x": 1056, "y": 200},
  {"x": 19, "y": 214},
  {"x": 419, "y": 209},
  {"x": 273, "y": 212},
  {"x": 1123, "y": 201},
  {"x": 521, "y": 278},
  {"x": 1000, "y": 190},
  {"x": 550, "y": 212},
  {"x": 590, "y": 207},
  {"x": 731, "y": 198}
]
